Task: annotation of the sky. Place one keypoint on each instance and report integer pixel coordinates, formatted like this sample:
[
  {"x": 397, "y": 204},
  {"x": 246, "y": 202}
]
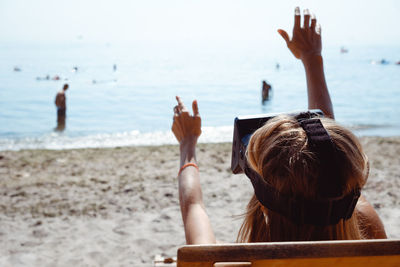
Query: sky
[{"x": 364, "y": 22}]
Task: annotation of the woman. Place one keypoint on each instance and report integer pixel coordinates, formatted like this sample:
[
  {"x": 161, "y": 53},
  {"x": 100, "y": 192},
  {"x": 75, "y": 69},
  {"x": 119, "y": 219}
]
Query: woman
[{"x": 283, "y": 157}]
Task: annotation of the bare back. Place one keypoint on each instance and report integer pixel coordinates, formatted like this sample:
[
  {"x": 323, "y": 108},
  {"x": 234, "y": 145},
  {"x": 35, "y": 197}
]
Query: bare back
[{"x": 60, "y": 100}]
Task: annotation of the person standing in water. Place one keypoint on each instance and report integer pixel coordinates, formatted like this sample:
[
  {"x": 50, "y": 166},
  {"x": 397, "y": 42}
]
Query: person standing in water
[
  {"x": 265, "y": 91},
  {"x": 61, "y": 105}
]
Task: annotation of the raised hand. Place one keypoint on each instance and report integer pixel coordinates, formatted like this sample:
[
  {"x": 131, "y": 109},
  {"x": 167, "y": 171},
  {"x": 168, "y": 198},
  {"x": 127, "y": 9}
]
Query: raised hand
[
  {"x": 306, "y": 40},
  {"x": 185, "y": 126}
]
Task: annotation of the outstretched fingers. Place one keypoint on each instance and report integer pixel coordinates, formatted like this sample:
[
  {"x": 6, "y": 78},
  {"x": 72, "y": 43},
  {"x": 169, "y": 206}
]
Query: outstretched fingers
[
  {"x": 180, "y": 102},
  {"x": 306, "y": 37},
  {"x": 313, "y": 22},
  {"x": 195, "y": 108},
  {"x": 181, "y": 105},
  {"x": 306, "y": 13},
  {"x": 181, "y": 108},
  {"x": 284, "y": 35},
  {"x": 297, "y": 17}
]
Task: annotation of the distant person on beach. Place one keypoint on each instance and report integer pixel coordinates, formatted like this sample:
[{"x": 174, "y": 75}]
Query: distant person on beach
[
  {"x": 265, "y": 91},
  {"x": 285, "y": 155},
  {"x": 61, "y": 105}
]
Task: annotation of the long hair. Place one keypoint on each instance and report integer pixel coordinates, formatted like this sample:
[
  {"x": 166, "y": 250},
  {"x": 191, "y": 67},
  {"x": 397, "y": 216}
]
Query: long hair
[{"x": 279, "y": 152}]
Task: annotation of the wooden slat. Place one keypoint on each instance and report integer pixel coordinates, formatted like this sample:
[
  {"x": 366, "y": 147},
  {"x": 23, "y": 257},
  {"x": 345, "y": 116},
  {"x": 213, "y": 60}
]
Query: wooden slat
[
  {"x": 232, "y": 264},
  {"x": 381, "y": 261},
  {"x": 333, "y": 252}
]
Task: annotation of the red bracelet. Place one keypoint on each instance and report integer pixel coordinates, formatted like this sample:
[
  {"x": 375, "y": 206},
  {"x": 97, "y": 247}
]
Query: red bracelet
[{"x": 187, "y": 165}]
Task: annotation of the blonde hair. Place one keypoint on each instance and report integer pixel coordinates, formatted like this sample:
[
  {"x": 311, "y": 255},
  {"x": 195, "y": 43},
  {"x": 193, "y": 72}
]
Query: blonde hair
[{"x": 278, "y": 151}]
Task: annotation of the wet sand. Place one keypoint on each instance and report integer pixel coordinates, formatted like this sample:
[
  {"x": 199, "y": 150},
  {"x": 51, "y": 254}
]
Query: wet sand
[{"x": 119, "y": 206}]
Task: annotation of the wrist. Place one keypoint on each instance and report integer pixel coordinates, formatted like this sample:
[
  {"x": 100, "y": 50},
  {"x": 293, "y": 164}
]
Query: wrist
[
  {"x": 188, "y": 150},
  {"x": 188, "y": 165},
  {"x": 188, "y": 142},
  {"x": 312, "y": 60}
]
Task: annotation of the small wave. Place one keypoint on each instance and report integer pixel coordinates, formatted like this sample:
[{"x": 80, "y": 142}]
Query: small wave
[
  {"x": 377, "y": 130},
  {"x": 383, "y": 130},
  {"x": 55, "y": 141},
  {"x": 361, "y": 127}
]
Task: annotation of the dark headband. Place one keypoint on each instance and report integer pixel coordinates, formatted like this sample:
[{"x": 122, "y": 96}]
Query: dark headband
[{"x": 330, "y": 207}]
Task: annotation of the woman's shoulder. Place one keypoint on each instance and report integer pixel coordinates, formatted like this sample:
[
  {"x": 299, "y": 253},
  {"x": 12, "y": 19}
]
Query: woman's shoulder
[{"x": 369, "y": 220}]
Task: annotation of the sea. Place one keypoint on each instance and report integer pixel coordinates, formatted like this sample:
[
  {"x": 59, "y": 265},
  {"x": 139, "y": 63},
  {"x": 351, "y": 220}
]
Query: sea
[{"x": 124, "y": 94}]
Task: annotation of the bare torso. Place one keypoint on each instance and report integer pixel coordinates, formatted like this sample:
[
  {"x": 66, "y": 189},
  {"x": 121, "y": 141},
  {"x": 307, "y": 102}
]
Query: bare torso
[{"x": 60, "y": 100}]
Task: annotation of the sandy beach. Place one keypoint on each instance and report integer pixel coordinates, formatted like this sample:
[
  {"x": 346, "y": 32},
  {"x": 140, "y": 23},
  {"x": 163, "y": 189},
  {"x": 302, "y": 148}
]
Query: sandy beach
[{"x": 119, "y": 206}]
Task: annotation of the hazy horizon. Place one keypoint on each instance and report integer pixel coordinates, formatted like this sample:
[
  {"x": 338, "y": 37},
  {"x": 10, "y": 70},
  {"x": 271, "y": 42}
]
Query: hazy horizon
[{"x": 117, "y": 22}]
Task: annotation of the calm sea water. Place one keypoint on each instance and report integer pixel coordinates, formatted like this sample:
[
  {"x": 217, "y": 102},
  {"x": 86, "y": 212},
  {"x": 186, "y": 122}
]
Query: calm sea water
[{"x": 133, "y": 105}]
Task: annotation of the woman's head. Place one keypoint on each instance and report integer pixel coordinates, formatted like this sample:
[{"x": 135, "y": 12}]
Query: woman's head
[{"x": 280, "y": 153}]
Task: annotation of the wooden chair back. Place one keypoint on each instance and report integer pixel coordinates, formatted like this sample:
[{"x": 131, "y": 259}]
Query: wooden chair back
[{"x": 354, "y": 253}]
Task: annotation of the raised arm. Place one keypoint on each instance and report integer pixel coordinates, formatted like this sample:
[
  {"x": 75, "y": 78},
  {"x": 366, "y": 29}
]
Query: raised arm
[
  {"x": 306, "y": 45},
  {"x": 187, "y": 129}
]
